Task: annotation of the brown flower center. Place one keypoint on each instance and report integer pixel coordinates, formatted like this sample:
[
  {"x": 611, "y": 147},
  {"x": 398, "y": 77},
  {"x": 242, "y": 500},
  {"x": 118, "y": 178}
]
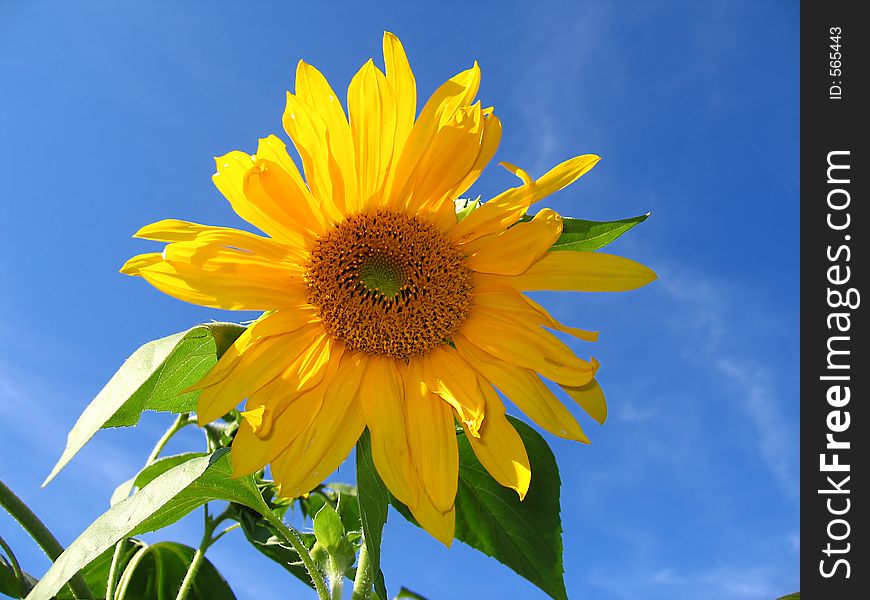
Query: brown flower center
[{"x": 389, "y": 283}]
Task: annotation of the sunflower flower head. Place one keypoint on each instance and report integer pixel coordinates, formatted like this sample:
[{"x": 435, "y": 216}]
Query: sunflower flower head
[{"x": 381, "y": 308}]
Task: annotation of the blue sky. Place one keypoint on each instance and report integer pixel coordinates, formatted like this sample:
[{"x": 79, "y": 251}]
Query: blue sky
[{"x": 110, "y": 115}]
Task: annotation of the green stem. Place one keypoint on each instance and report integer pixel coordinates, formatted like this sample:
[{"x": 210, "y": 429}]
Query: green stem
[
  {"x": 225, "y": 531},
  {"x": 182, "y": 421},
  {"x": 336, "y": 579},
  {"x": 198, "y": 557},
  {"x": 292, "y": 537},
  {"x": 365, "y": 579},
  {"x": 129, "y": 571},
  {"x": 113, "y": 570},
  {"x": 40, "y": 533}
]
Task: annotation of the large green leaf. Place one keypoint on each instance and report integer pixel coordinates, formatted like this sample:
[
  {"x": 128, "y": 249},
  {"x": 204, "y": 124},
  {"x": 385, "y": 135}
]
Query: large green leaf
[
  {"x": 523, "y": 535},
  {"x": 373, "y": 502},
  {"x": 155, "y": 571},
  {"x": 153, "y": 378},
  {"x": 587, "y": 236},
  {"x": 162, "y": 502},
  {"x": 158, "y": 570}
]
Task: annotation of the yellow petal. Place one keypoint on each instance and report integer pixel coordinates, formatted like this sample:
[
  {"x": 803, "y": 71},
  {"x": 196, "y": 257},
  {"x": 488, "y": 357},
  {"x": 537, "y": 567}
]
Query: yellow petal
[
  {"x": 285, "y": 416},
  {"x": 232, "y": 168},
  {"x": 582, "y": 272},
  {"x": 517, "y": 306},
  {"x": 174, "y": 230},
  {"x": 447, "y": 161},
  {"x": 313, "y": 89},
  {"x": 497, "y": 214},
  {"x": 211, "y": 274},
  {"x": 590, "y": 397},
  {"x": 454, "y": 94},
  {"x": 308, "y": 131},
  {"x": 255, "y": 368},
  {"x": 268, "y": 325},
  {"x": 454, "y": 381},
  {"x": 500, "y": 448},
  {"x": 373, "y": 126},
  {"x": 382, "y": 396},
  {"x": 138, "y": 263},
  {"x": 441, "y": 525},
  {"x": 319, "y": 451},
  {"x": 277, "y": 414},
  {"x": 512, "y": 251},
  {"x": 326, "y": 440},
  {"x": 488, "y": 146},
  {"x": 311, "y": 365},
  {"x": 548, "y": 321},
  {"x": 506, "y": 209},
  {"x": 431, "y": 439},
  {"x": 525, "y": 345},
  {"x": 401, "y": 80},
  {"x": 563, "y": 175},
  {"x": 271, "y": 148},
  {"x": 277, "y": 194},
  {"x": 259, "y": 419},
  {"x": 525, "y": 389}
]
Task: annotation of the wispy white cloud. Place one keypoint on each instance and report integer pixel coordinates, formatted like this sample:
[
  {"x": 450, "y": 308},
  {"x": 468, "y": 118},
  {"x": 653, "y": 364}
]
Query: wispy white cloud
[
  {"x": 775, "y": 432},
  {"x": 727, "y": 323},
  {"x": 747, "y": 581}
]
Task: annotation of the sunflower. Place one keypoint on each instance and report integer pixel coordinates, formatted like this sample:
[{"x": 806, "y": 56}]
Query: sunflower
[{"x": 382, "y": 307}]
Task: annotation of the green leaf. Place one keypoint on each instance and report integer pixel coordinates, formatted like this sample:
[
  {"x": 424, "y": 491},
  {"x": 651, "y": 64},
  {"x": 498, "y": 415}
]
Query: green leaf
[
  {"x": 262, "y": 535},
  {"x": 329, "y": 531},
  {"x": 523, "y": 535},
  {"x": 328, "y": 528},
  {"x": 162, "y": 502},
  {"x": 373, "y": 500},
  {"x": 586, "y": 236},
  {"x": 158, "y": 570},
  {"x": 348, "y": 509},
  {"x": 153, "y": 378}
]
